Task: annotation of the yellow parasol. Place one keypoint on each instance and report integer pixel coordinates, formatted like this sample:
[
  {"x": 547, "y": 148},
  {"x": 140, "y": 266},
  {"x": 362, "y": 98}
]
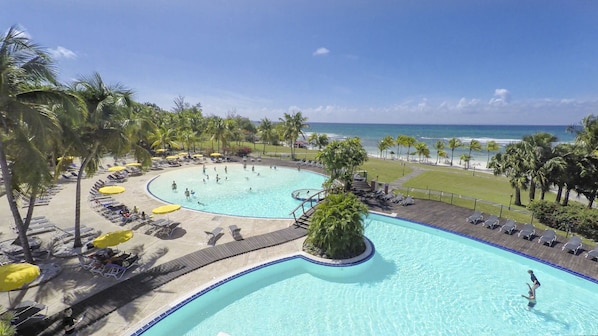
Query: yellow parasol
[
  {"x": 116, "y": 168},
  {"x": 197, "y": 155},
  {"x": 133, "y": 164},
  {"x": 215, "y": 154},
  {"x": 110, "y": 190},
  {"x": 172, "y": 157},
  {"x": 68, "y": 158},
  {"x": 113, "y": 238},
  {"x": 166, "y": 209},
  {"x": 160, "y": 150},
  {"x": 183, "y": 154},
  {"x": 156, "y": 158},
  {"x": 13, "y": 276}
]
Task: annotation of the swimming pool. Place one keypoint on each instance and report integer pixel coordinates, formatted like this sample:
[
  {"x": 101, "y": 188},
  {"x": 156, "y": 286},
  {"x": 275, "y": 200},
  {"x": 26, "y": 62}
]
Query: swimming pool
[
  {"x": 254, "y": 191},
  {"x": 421, "y": 281}
]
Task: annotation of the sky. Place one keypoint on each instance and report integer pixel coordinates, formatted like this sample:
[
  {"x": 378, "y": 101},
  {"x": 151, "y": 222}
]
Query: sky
[{"x": 532, "y": 62}]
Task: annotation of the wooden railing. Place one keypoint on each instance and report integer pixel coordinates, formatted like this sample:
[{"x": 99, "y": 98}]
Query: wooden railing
[{"x": 315, "y": 198}]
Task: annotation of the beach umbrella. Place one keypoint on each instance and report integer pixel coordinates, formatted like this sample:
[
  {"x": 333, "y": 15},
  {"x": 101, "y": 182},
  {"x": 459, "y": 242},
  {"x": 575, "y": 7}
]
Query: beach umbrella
[
  {"x": 67, "y": 157},
  {"x": 165, "y": 209},
  {"x": 156, "y": 158},
  {"x": 197, "y": 155},
  {"x": 116, "y": 168},
  {"x": 113, "y": 238},
  {"x": 133, "y": 164},
  {"x": 111, "y": 190},
  {"x": 13, "y": 276},
  {"x": 215, "y": 154},
  {"x": 172, "y": 157},
  {"x": 183, "y": 154},
  {"x": 160, "y": 150}
]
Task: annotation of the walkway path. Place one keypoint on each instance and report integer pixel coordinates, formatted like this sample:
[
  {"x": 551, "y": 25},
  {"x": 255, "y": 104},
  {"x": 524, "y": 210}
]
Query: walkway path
[{"x": 104, "y": 302}]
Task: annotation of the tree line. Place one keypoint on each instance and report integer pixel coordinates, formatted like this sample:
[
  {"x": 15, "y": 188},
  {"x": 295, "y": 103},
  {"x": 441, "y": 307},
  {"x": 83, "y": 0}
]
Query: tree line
[{"x": 43, "y": 121}]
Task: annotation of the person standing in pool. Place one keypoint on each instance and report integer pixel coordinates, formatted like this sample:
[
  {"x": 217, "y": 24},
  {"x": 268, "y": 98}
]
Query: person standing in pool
[
  {"x": 173, "y": 185},
  {"x": 187, "y": 193},
  {"x": 531, "y": 298},
  {"x": 535, "y": 282}
]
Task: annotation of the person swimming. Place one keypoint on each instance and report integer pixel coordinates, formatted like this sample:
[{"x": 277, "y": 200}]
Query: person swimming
[{"x": 531, "y": 298}]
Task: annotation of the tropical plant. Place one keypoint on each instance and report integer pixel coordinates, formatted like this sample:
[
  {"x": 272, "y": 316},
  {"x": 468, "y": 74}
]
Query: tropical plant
[
  {"x": 439, "y": 147},
  {"x": 511, "y": 164},
  {"x": 422, "y": 150},
  {"x": 473, "y": 145},
  {"x": 28, "y": 98},
  {"x": 267, "y": 133},
  {"x": 385, "y": 144},
  {"x": 453, "y": 144},
  {"x": 103, "y": 129},
  {"x": 336, "y": 227},
  {"x": 491, "y": 146},
  {"x": 341, "y": 158},
  {"x": 292, "y": 127},
  {"x": 408, "y": 141},
  {"x": 319, "y": 140},
  {"x": 163, "y": 138}
]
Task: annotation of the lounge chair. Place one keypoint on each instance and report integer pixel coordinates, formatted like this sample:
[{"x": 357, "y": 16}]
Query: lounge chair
[
  {"x": 168, "y": 229},
  {"x": 235, "y": 232},
  {"x": 117, "y": 271},
  {"x": 475, "y": 218},
  {"x": 27, "y": 312},
  {"x": 509, "y": 227},
  {"x": 491, "y": 222},
  {"x": 574, "y": 244},
  {"x": 214, "y": 235},
  {"x": 548, "y": 237},
  {"x": 593, "y": 254},
  {"x": 527, "y": 231},
  {"x": 407, "y": 201}
]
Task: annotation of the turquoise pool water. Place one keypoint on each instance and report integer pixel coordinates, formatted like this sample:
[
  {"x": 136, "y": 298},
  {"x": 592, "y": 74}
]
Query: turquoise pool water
[
  {"x": 257, "y": 191},
  {"x": 421, "y": 281}
]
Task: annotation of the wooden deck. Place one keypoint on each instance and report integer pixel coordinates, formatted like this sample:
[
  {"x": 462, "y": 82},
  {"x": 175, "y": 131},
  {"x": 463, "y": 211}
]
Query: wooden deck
[{"x": 433, "y": 213}]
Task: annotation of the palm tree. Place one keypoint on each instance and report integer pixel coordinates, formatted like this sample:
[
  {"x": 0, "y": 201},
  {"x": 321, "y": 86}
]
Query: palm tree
[
  {"x": 422, "y": 150},
  {"x": 267, "y": 132},
  {"x": 439, "y": 147},
  {"x": 491, "y": 146},
  {"x": 318, "y": 140},
  {"x": 336, "y": 227},
  {"x": 292, "y": 126},
  {"x": 385, "y": 144},
  {"x": 538, "y": 151},
  {"x": 408, "y": 141},
  {"x": 163, "y": 138},
  {"x": 453, "y": 144},
  {"x": 217, "y": 127},
  {"x": 474, "y": 145},
  {"x": 511, "y": 164},
  {"x": 27, "y": 90},
  {"x": 400, "y": 141},
  {"x": 103, "y": 130}
]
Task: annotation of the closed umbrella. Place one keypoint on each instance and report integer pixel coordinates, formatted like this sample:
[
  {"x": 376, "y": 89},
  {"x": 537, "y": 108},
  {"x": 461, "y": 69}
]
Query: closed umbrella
[
  {"x": 166, "y": 209},
  {"x": 13, "y": 276},
  {"x": 111, "y": 190},
  {"x": 116, "y": 168},
  {"x": 113, "y": 238}
]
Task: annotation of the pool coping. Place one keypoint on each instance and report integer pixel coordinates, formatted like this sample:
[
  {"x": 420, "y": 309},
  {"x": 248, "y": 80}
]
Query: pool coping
[{"x": 149, "y": 322}]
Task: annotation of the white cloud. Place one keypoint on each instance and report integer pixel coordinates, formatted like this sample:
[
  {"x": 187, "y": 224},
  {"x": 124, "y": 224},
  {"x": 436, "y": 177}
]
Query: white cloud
[
  {"x": 501, "y": 97},
  {"x": 62, "y": 53},
  {"x": 321, "y": 51}
]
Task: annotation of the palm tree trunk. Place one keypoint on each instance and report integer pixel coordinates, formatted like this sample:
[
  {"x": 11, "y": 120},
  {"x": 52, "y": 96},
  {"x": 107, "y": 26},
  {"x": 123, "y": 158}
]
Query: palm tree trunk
[
  {"x": 10, "y": 197},
  {"x": 566, "y": 200},
  {"x": 532, "y": 191},
  {"x": 77, "y": 242},
  {"x": 517, "y": 196},
  {"x": 559, "y": 194}
]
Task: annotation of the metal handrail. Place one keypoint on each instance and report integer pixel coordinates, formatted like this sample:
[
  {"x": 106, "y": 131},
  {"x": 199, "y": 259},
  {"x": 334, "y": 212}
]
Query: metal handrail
[{"x": 310, "y": 200}]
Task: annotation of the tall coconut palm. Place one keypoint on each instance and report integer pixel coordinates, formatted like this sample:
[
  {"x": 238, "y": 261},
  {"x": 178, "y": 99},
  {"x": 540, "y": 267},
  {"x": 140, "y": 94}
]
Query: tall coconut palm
[
  {"x": 408, "y": 141},
  {"x": 475, "y": 146},
  {"x": 422, "y": 150},
  {"x": 453, "y": 144},
  {"x": 511, "y": 164},
  {"x": 491, "y": 146},
  {"x": 267, "y": 132},
  {"x": 385, "y": 144},
  {"x": 538, "y": 151},
  {"x": 27, "y": 90},
  {"x": 163, "y": 138},
  {"x": 293, "y": 126},
  {"x": 103, "y": 129},
  {"x": 439, "y": 147}
]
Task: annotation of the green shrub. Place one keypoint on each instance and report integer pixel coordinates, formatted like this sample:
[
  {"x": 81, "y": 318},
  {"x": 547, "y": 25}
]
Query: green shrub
[{"x": 576, "y": 218}]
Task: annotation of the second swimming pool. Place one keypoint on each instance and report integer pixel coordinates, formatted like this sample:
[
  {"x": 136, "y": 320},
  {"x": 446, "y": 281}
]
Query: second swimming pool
[{"x": 421, "y": 281}]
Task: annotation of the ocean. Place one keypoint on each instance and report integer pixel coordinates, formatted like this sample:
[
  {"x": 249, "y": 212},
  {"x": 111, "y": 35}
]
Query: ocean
[{"x": 371, "y": 134}]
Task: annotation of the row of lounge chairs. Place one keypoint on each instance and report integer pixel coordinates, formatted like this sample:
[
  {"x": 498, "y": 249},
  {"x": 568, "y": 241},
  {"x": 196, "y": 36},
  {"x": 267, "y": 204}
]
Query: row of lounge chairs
[
  {"x": 528, "y": 231},
  {"x": 109, "y": 269},
  {"x": 43, "y": 199}
]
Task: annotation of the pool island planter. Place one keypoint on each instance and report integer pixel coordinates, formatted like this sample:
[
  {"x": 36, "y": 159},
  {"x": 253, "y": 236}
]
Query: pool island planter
[{"x": 364, "y": 256}]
